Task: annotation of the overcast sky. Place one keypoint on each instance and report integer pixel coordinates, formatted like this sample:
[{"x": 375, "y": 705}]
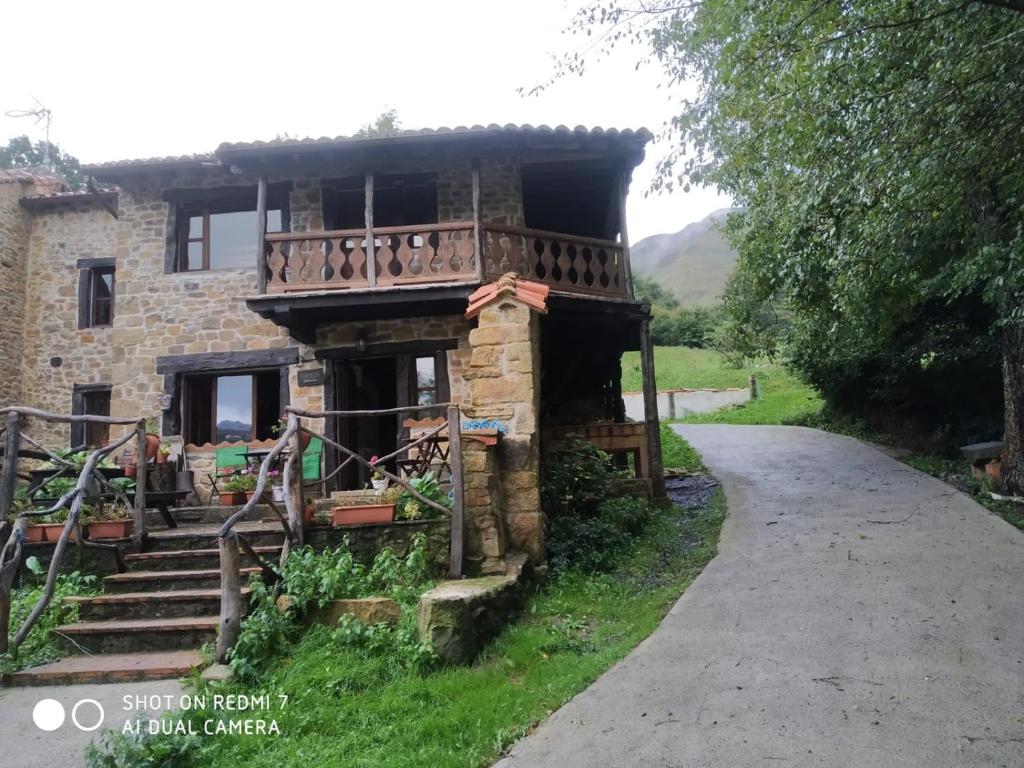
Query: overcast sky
[{"x": 144, "y": 79}]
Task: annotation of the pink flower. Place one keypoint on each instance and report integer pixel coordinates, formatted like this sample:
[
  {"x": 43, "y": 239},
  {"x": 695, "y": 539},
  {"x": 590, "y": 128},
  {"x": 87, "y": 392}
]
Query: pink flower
[{"x": 374, "y": 459}]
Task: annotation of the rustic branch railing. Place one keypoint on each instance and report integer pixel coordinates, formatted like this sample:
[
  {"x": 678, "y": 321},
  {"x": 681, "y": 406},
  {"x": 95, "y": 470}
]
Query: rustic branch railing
[
  {"x": 421, "y": 253},
  {"x": 90, "y": 481},
  {"x": 565, "y": 262},
  {"x": 230, "y": 540}
]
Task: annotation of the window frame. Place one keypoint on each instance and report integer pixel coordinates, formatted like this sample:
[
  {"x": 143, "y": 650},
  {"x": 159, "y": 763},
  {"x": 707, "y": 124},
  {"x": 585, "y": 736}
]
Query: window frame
[
  {"x": 188, "y": 397},
  {"x": 189, "y": 204},
  {"x": 88, "y": 274},
  {"x": 80, "y": 396}
]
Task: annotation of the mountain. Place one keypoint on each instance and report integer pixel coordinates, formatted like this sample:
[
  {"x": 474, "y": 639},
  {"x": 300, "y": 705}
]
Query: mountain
[{"x": 693, "y": 263}]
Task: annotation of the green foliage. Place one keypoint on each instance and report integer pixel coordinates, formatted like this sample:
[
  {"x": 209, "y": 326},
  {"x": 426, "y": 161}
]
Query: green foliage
[
  {"x": 312, "y": 580},
  {"x": 352, "y": 706},
  {"x": 875, "y": 147},
  {"x": 684, "y": 327},
  {"x": 408, "y": 507},
  {"x": 676, "y": 453},
  {"x": 39, "y": 646},
  {"x": 651, "y": 291},
  {"x": 117, "y": 749},
  {"x": 574, "y": 479},
  {"x": 586, "y": 529},
  {"x": 386, "y": 124},
  {"x": 240, "y": 483},
  {"x": 20, "y": 152}
]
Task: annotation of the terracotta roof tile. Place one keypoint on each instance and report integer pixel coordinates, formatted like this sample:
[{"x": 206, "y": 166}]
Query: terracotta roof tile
[{"x": 534, "y": 295}]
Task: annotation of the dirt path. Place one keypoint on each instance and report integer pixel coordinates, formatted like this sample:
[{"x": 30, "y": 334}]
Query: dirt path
[{"x": 859, "y": 613}]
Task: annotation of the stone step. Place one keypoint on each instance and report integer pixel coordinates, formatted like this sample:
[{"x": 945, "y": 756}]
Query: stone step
[
  {"x": 207, "y": 514},
  {"x": 136, "y": 635},
  {"x": 182, "y": 559},
  {"x": 109, "y": 668},
  {"x": 204, "y": 536},
  {"x": 151, "y": 605},
  {"x": 172, "y": 581}
]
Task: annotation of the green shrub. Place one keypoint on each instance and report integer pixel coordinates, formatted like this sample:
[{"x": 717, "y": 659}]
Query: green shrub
[
  {"x": 574, "y": 479},
  {"x": 39, "y": 646},
  {"x": 312, "y": 580}
]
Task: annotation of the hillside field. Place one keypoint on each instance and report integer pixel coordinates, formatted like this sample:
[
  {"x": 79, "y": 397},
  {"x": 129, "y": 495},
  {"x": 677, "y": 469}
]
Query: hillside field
[{"x": 783, "y": 397}]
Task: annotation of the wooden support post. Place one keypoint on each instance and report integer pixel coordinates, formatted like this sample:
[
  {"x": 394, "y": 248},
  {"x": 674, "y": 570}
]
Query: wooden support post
[
  {"x": 261, "y": 234},
  {"x": 296, "y": 503},
  {"x": 478, "y": 232},
  {"x": 9, "y": 478},
  {"x": 139, "y": 512},
  {"x": 230, "y": 596},
  {"x": 455, "y": 560},
  {"x": 371, "y": 246},
  {"x": 651, "y": 410},
  {"x": 627, "y": 271}
]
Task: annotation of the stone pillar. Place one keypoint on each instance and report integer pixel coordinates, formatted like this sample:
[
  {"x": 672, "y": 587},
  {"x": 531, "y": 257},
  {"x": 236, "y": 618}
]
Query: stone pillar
[
  {"x": 504, "y": 376},
  {"x": 484, "y": 514}
]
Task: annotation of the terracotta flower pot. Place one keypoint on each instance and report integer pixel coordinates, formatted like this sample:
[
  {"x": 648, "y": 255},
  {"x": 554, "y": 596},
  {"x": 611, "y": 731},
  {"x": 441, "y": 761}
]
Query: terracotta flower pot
[
  {"x": 152, "y": 446},
  {"x": 249, "y": 495},
  {"x": 34, "y": 534},
  {"x": 110, "y": 529},
  {"x": 310, "y": 511},
  {"x": 231, "y": 498},
  {"x": 50, "y": 531},
  {"x": 363, "y": 514},
  {"x": 131, "y": 470}
]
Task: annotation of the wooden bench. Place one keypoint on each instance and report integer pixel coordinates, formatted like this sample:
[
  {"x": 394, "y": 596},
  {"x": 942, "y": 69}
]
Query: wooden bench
[{"x": 628, "y": 437}]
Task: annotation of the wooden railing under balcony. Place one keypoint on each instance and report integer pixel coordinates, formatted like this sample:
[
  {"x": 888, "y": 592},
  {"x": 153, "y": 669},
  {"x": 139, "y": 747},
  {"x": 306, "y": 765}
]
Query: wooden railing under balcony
[
  {"x": 422, "y": 253},
  {"x": 442, "y": 253}
]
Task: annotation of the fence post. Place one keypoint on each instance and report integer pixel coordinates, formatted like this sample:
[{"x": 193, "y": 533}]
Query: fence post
[
  {"x": 230, "y": 596},
  {"x": 10, "y": 474},
  {"x": 139, "y": 512},
  {"x": 297, "y": 507},
  {"x": 458, "y": 508}
]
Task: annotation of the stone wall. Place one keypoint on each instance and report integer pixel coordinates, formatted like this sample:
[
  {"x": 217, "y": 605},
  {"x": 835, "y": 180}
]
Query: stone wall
[
  {"x": 14, "y": 229},
  {"x": 56, "y": 354},
  {"x": 504, "y": 377}
]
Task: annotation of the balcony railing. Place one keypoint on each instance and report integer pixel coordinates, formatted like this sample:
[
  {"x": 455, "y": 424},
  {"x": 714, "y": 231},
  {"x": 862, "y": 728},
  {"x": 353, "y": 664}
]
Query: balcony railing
[{"x": 441, "y": 253}]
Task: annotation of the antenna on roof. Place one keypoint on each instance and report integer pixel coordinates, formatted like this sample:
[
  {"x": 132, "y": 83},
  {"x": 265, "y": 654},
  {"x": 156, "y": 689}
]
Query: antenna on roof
[{"x": 40, "y": 113}]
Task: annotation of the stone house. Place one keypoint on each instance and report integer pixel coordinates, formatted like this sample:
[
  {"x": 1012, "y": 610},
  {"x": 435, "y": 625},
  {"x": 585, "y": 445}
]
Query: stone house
[{"x": 212, "y": 290}]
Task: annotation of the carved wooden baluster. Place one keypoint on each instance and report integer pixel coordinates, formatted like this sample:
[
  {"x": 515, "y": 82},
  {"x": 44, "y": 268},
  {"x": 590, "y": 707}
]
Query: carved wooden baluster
[
  {"x": 356, "y": 260},
  {"x": 441, "y": 265},
  {"x": 277, "y": 262},
  {"x": 317, "y": 260},
  {"x": 415, "y": 254},
  {"x": 335, "y": 261},
  {"x": 565, "y": 262},
  {"x": 599, "y": 269},
  {"x": 579, "y": 265},
  {"x": 464, "y": 249}
]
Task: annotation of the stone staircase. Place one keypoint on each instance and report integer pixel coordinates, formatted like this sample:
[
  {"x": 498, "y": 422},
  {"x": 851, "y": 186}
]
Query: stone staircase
[{"x": 151, "y": 620}]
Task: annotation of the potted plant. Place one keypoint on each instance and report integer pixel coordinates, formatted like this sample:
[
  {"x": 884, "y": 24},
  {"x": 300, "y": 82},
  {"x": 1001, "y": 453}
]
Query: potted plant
[
  {"x": 310, "y": 512},
  {"x": 377, "y": 478},
  {"x": 152, "y": 449},
  {"x": 408, "y": 507},
  {"x": 276, "y": 485},
  {"x": 234, "y": 489},
  {"x": 107, "y": 522},
  {"x": 362, "y": 508},
  {"x": 34, "y": 534},
  {"x": 52, "y": 525},
  {"x": 162, "y": 452}
]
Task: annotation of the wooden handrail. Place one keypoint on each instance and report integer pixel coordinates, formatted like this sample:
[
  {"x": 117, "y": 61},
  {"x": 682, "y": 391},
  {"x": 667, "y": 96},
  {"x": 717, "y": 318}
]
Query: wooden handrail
[
  {"x": 404, "y": 229},
  {"x": 356, "y": 414},
  {"x": 597, "y": 243},
  {"x": 66, "y": 418}
]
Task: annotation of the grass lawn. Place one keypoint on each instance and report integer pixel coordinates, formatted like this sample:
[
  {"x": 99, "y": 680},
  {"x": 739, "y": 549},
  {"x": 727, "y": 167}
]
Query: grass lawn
[
  {"x": 783, "y": 398},
  {"x": 352, "y": 707}
]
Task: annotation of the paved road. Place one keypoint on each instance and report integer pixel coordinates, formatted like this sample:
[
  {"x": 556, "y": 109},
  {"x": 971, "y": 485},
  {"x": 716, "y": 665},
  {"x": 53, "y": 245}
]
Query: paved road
[
  {"x": 858, "y": 614},
  {"x": 24, "y": 745}
]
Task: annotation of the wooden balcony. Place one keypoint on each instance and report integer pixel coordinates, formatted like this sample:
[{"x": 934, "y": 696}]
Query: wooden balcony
[{"x": 441, "y": 254}]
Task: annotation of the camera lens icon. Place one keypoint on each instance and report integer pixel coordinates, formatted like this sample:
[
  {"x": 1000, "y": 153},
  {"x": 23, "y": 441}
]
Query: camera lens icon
[{"x": 49, "y": 715}]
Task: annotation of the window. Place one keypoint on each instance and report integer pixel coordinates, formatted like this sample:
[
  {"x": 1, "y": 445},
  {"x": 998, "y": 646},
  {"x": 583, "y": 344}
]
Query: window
[
  {"x": 96, "y": 293},
  {"x": 426, "y": 381},
  {"x": 232, "y": 407},
  {"x": 92, "y": 400},
  {"x": 218, "y": 231},
  {"x": 398, "y": 199}
]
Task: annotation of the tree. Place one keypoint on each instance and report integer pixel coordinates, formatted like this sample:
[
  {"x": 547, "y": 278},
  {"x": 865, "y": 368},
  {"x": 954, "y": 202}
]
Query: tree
[
  {"x": 386, "y": 124},
  {"x": 876, "y": 147},
  {"x": 20, "y": 152}
]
